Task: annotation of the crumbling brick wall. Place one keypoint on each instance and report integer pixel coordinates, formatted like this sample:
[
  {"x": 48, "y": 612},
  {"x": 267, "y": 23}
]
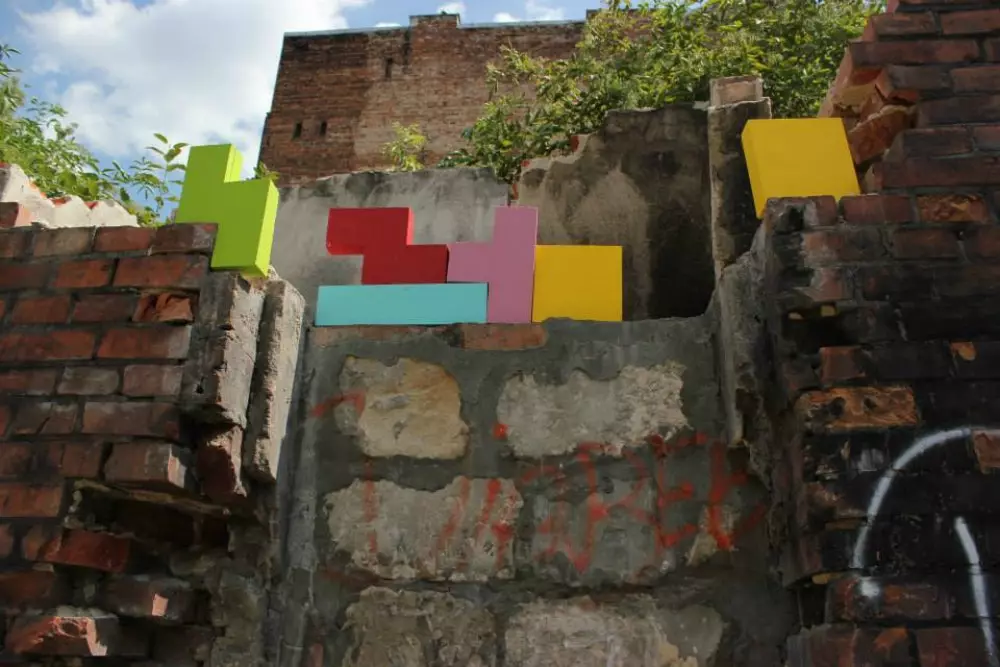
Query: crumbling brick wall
[
  {"x": 337, "y": 94},
  {"x": 141, "y": 400},
  {"x": 884, "y": 319}
]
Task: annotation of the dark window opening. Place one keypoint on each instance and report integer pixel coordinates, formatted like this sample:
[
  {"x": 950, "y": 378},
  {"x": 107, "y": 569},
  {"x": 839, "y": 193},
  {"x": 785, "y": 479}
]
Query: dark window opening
[
  {"x": 322, "y": 129},
  {"x": 297, "y": 132},
  {"x": 388, "y": 68}
]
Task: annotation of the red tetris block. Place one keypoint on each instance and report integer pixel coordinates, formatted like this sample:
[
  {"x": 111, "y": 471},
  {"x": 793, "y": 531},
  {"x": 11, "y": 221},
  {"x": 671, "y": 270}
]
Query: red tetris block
[{"x": 384, "y": 238}]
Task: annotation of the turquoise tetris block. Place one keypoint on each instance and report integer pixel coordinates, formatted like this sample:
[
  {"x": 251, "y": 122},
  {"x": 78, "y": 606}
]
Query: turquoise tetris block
[{"x": 429, "y": 304}]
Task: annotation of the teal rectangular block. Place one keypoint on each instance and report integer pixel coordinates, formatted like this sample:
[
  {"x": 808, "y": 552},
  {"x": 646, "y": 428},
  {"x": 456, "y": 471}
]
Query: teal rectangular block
[{"x": 429, "y": 304}]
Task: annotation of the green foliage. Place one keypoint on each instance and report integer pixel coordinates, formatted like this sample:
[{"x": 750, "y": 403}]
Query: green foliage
[
  {"x": 406, "y": 149},
  {"x": 659, "y": 52},
  {"x": 35, "y": 135},
  {"x": 261, "y": 171}
]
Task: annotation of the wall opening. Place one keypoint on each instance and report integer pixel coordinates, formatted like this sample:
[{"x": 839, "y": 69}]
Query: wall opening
[
  {"x": 322, "y": 129},
  {"x": 297, "y": 131},
  {"x": 388, "y": 68}
]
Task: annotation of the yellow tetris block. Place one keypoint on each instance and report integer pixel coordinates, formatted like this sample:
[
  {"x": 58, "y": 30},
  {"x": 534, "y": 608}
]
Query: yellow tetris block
[
  {"x": 244, "y": 210},
  {"x": 798, "y": 157},
  {"x": 580, "y": 282}
]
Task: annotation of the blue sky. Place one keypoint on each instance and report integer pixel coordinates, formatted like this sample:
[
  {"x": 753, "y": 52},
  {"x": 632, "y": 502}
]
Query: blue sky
[{"x": 199, "y": 71}]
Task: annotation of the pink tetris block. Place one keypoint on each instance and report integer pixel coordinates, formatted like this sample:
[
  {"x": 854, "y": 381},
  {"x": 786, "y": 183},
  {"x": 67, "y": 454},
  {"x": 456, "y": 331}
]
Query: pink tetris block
[{"x": 507, "y": 264}]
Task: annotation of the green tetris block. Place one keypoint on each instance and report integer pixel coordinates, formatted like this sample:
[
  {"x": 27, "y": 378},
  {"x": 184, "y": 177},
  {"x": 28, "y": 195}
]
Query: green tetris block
[{"x": 244, "y": 210}]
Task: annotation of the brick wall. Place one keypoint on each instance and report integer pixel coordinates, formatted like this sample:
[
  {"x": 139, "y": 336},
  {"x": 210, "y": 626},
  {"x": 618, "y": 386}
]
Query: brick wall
[
  {"x": 337, "y": 94},
  {"x": 137, "y": 420},
  {"x": 884, "y": 319}
]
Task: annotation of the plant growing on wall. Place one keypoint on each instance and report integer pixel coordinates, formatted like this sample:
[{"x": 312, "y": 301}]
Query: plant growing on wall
[
  {"x": 261, "y": 171},
  {"x": 646, "y": 55},
  {"x": 405, "y": 150}
]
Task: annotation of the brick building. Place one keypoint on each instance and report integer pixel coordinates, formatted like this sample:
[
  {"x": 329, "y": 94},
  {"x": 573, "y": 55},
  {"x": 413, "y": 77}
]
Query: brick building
[{"x": 338, "y": 92}]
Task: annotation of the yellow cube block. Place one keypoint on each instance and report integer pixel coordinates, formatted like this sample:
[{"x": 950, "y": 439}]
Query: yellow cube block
[
  {"x": 580, "y": 282},
  {"x": 798, "y": 157}
]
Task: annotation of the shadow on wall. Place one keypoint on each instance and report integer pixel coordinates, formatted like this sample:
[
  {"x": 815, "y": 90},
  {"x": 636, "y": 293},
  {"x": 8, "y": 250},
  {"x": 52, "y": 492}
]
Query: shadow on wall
[
  {"x": 448, "y": 205},
  {"x": 641, "y": 182}
]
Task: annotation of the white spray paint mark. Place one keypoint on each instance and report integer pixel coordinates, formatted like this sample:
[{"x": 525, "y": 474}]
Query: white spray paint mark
[
  {"x": 922, "y": 445},
  {"x": 978, "y": 583},
  {"x": 870, "y": 588}
]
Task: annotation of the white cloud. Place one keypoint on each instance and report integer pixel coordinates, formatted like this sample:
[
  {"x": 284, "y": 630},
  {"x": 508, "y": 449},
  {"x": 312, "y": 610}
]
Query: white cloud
[
  {"x": 539, "y": 10},
  {"x": 452, "y": 8},
  {"x": 534, "y": 10},
  {"x": 200, "y": 71},
  {"x": 388, "y": 24}
]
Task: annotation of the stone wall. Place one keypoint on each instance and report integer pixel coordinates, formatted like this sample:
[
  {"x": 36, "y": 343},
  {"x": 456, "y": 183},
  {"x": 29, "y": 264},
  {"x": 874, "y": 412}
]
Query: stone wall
[
  {"x": 338, "y": 93},
  {"x": 143, "y": 401},
  {"x": 522, "y": 495},
  {"x": 448, "y": 205}
]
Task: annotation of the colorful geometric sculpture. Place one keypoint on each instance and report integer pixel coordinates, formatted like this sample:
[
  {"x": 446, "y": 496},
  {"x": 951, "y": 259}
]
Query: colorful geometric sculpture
[
  {"x": 506, "y": 264},
  {"x": 244, "y": 210},
  {"x": 580, "y": 282},
  {"x": 384, "y": 238},
  {"x": 798, "y": 157},
  {"x": 434, "y": 304}
]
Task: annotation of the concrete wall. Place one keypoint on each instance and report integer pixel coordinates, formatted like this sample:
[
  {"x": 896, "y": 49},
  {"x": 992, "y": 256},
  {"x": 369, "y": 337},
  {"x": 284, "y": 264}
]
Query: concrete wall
[
  {"x": 448, "y": 205},
  {"x": 22, "y": 204},
  {"x": 463, "y": 492},
  {"x": 641, "y": 182}
]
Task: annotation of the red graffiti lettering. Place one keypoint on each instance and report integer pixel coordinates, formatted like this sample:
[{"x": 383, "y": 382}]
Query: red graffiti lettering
[
  {"x": 455, "y": 518},
  {"x": 494, "y": 514}
]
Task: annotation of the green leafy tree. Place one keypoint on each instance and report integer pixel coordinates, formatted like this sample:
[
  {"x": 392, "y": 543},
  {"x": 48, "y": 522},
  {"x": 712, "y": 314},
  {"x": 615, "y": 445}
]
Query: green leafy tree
[
  {"x": 35, "y": 135},
  {"x": 406, "y": 149},
  {"x": 654, "y": 53}
]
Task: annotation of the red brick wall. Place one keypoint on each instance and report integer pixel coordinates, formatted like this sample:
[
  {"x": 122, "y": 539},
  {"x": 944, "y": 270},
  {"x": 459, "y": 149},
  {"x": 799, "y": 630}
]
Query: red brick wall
[
  {"x": 116, "y": 452},
  {"x": 359, "y": 82},
  {"x": 885, "y": 324}
]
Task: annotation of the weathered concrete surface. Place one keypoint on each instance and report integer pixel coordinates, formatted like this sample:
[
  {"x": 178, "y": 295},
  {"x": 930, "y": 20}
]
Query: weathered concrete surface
[
  {"x": 645, "y": 493},
  {"x": 448, "y": 205},
  {"x": 742, "y": 358},
  {"x": 411, "y": 629},
  {"x": 640, "y": 182},
  {"x": 570, "y": 546},
  {"x": 733, "y": 89},
  {"x": 631, "y": 532},
  {"x": 734, "y": 217},
  {"x": 219, "y": 372},
  {"x": 396, "y": 533},
  {"x": 273, "y": 380},
  {"x": 406, "y": 408},
  {"x": 16, "y": 187},
  {"x": 545, "y": 419},
  {"x": 581, "y": 633}
]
